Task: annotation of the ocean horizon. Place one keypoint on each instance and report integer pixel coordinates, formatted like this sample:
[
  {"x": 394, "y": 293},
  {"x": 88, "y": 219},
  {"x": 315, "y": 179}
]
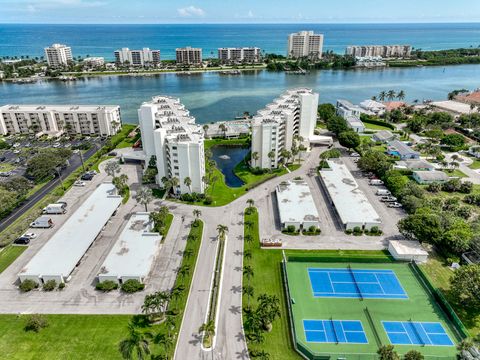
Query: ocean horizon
[{"x": 103, "y": 39}]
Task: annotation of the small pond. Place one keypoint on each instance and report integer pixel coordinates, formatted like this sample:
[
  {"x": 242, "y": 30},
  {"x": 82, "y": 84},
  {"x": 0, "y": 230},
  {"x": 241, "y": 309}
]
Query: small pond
[{"x": 227, "y": 157}]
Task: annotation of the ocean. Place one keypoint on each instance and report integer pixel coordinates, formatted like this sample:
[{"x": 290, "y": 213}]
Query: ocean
[{"x": 103, "y": 40}]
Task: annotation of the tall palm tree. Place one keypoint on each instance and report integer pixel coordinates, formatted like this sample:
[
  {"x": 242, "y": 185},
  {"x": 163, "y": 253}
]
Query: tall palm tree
[
  {"x": 223, "y": 127},
  {"x": 188, "y": 183},
  {"x": 136, "y": 346},
  {"x": 391, "y": 94},
  {"x": 112, "y": 168},
  {"x": 248, "y": 273},
  {"x": 248, "y": 238},
  {"x": 222, "y": 231},
  {"x": 250, "y": 202},
  {"x": 271, "y": 155},
  {"x": 144, "y": 196},
  {"x": 301, "y": 149},
  {"x": 166, "y": 340},
  {"x": 401, "y": 95},
  {"x": 249, "y": 292},
  {"x": 255, "y": 157},
  {"x": 205, "y": 129},
  {"x": 175, "y": 182},
  {"x": 382, "y": 95},
  {"x": 197, "y": 213},
  {"x": 208, "y": 328}
]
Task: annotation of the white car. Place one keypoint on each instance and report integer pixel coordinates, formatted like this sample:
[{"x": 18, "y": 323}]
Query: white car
[
  {"x": 79, "y": 183},
  {"x": 354, "y": 154},
  {"x": 29, "y": 235},
  {"x": 394, "y": 205},
  {"x": 16, "y": 151}
]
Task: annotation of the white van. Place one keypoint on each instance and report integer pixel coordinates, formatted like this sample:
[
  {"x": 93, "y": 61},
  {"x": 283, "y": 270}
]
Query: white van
[
  {"x": 54, "y": 209},
  {"x": 383, "y": 192},
  {"x": 376, "y": 182},
  {"x": 42, "y": 222}
]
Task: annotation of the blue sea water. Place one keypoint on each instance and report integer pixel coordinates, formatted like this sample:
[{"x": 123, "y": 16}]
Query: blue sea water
[{"x": 102, "y": 40}]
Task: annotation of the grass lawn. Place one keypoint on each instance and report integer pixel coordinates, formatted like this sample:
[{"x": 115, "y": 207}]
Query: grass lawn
[
  {"x": 456, "y": 173},
  {"x": 376, "y": 127},
  {"x": 475, "y": 165},
  {"x": 168, "y": 223},
  {"x": 82, "y": 337},
  {"x": 4, "y": 167},
  {"x": 9, "y": 254},
  {"x": 128, "y": 142}
]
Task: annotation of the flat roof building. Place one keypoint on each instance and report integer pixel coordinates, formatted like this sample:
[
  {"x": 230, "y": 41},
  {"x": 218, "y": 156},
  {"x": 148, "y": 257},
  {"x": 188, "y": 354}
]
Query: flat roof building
[
  {"x": 143, "y": 57},
  {"x": 133, "y": 254},
  {"x": 384, "y": 51},
  {"x": 103, "y": 120},
  {"x": 429, "y": 177},
  {"x": 455, "y": 108},
  {"x": 296, "y": 206},
  {"x": 188, "y": 56},
  {"x": 245, "y": 54},
  {"x": 60, "y": 255},
  {"x": 350, "y": 203},
  {"x": 305, "y": 44},
  {"x": 407, "y": 250},
  {"x": 58, "y": 55}
]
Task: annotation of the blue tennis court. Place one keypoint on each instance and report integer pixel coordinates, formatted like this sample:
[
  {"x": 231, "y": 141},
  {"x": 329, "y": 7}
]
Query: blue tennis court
[
  {"x": 335, "y": 331},
  {"x": 416, "y": 333},
  {"x": 356, "y": 283}
]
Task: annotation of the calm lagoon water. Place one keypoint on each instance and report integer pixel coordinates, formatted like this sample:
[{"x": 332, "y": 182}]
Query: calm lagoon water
[
  {"x": 213, "y": 97},
  {"x": 226, "y": 165}
]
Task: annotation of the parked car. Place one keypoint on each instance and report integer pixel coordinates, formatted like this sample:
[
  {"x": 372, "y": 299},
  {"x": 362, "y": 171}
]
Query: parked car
[
  {"x": 22, "y": 240},
  {"x": 394, "y": 205},
  {"x": 86, "y": 177},
  {"x": 29, "y": 235},
  {"x": 79, "y": 183},
  {"x": 383, "y": 192},
  {"x": 375, "y": 182},
  {"x": 388, "y": 199},
  {"x": 355, "y": 154}
]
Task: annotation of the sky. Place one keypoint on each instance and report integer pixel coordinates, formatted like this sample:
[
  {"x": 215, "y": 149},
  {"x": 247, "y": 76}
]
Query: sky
[{"x": 237, "y": 11}]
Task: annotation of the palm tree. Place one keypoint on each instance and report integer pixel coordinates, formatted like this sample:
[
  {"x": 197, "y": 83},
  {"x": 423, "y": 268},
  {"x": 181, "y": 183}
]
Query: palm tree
[
  {"x": 188, "y": 183},
  {"x": 401, "y": 95},
  {"x": 391, "y": 94},
  {"x": 271, "y": 156},
  {"x": 255, "y": 157},
  {"x": 205, "y": 129},
  {"x": 175, "y": 182},
  {"x": 184, "y": 270},
  {"x": 248, "y": 238},
  {"x": 301, "y": 149},
  {"x": 222, "y": 231},
  {"x": 144, "y": 196},
  {"x": 136, "y": 346},
  {"x": 187, "y": 253},
  {"x": 247, "y": 254},
  {"x": 249, "y": 292},
  {"x": 166, "y": 340},
  {"x": 248, "y": 273},
  {"x": 382, "y": 96},
  {"x": 249, "y": 224},
  {"x": 223, "y": 127},
  {"x": 250, "y": 202},
  {"x": 112, "y": 168},
  {"x": 208, "y": 329},
  {"x": 197, "y": 213}
]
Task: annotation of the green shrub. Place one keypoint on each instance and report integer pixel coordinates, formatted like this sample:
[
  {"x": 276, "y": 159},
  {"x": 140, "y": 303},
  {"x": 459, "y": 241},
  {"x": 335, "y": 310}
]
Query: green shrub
[
  {"x": 291, "y": 228},
  {"x": 208, "y": 200},
  {"x": 106, "y": 286},
  {"x": 50, "y": 285},
  {"x": 132, "y": 286},
  {"x": 35, "y": 322},
  {"x": 61, "y": 286},
  {"x": 348, "y": 231},
  {"x": 28, "y": 285},
  {"x": 312, "y": 229},
  {"x": 357, "y": 230}
]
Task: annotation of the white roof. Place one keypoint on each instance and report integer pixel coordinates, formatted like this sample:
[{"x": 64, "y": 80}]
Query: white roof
[
  {"x": 57, "y": 108},
  {"x": 372, "y": 105},
  {"x": 135, "y": 249},
  {"x": 453, "y": 106},
  {"x": 431, "y": 175},
  {"x": 407, "y": 247},
  {"x": 354, "y": 121},
  {"x": 351, "y": 203},
  {"x": 295, "y": 202},
  {"x": 67, "y": 246}
]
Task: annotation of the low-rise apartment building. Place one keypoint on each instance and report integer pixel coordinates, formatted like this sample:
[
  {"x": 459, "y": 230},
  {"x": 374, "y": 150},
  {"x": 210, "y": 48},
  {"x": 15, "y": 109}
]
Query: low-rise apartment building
[
  {"x": 170, "y": 134},
  {"x": 54, "y": 120},
  {"x": 274, "y": 128},
  {"x": 144, "y": 57},
  {"x": 245, "y": 54},
  {"x": 189, "y": 56},
  {"x": 58, "y": 55}
]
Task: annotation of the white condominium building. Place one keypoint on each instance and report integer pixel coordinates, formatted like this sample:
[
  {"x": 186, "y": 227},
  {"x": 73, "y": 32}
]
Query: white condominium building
[
  {"x": 103, "y": 120},
  {"x": 170, "y": 134},
  {"x": 143, "y": 57},
  {"x": 248, "y": 54},
  {"x": 58, "y": 55},
  {"x": 384, "y": 51},
  {"x": 189, "y": 56},
  {"x": 274, "y": 128},
  {"x": 305, "y": 44},
  {"x": 94, "y": 61}
]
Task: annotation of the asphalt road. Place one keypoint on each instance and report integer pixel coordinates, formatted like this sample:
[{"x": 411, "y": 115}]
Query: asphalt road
[{"x": 75, "y": 163}]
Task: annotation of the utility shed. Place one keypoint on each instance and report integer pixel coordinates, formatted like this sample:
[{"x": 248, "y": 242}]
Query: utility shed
[
  {"x": 133, "y": 254},
  {"x": 60, "y": 255},
  {"x": 296, "y": 206},
  {"x": 350, "y": 203},
  {"x": 407, "y": 250}
]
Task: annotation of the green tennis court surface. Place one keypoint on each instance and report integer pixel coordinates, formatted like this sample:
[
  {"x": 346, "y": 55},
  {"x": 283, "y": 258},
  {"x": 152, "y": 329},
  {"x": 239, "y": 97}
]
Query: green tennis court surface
[{"x": 347, "y": 310}]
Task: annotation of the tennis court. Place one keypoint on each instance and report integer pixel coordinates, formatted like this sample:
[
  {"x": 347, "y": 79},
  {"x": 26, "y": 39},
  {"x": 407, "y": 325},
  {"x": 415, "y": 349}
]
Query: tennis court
[
  {"x": 356, "y": 283},
  {"x": 416, "y": 333},
  {"x": 335, "y": 331}
]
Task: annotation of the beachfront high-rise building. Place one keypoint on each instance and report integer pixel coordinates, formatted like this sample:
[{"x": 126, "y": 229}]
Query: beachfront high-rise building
[
  {"x": 384, "y": 51},
  {"x": 170, "y": 134},
  {"x": 274, "y": 128},
  {"x": 58, "y": 55},
  {"x": 247, "y": 54},
  {"x": 305, "y": 44},
  {"x": 143, "y": 57},
  {"x": 54, "y": 120},
  {"x": 189, "y": 56}
]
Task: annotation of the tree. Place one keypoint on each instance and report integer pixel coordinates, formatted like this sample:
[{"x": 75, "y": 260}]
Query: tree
[
  {"x": 137, "y": 345},
  {"x": 166, "y": 341},
  {"x": 382, "y": 96},
  {"x": 120, "y": 183},
  {"x": 188, "y": 183},
  {"x": 413, "y": 355},
  {"x": 144, "y": 196},
  {"x": 425, "y": 226},
  {"x": 465, "y": 286},
  {"x": 454, "y": 141},
  {"x": 391, "y": 94},
  {"x": 255, "y": 158},
  {"x": 208, "y": 328},
  {"x": 8, "y": 201},
  {"x": 349, "y": 139},
  {"x": 205, "y": 129},
  {"x": 154, "y": 305},
  {"x": 46, "y": 163},
  {"x": 285, "y": 154},
  {"x": 222, "y": 231},
  {"x": 268, "y": 309},
  {"x": 326, "y": 111},
  {"x": 457, "y": 236},
  {"x": 271, "y": 155},
  {"x": 223, "y": 128},
  {"x": 337, "y": 124},
  {"x": 387, "y": 352},
  {"x": 197, "y": 213},
  {"x": 401, "y": 95},
  {"x": 36, "y": 322},
  {"x": 175, "y": 182},
  {"x": 248, "y": 273},
  {"x": 375, "y": 161},
  {"x": 112, "y": 168},
  {"x": 250, "y": 202}
]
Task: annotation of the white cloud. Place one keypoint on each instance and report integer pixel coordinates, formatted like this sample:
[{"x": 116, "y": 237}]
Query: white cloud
[
  {"x": 250, "y": 14},
  {"x": 191, "y": 11}
]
